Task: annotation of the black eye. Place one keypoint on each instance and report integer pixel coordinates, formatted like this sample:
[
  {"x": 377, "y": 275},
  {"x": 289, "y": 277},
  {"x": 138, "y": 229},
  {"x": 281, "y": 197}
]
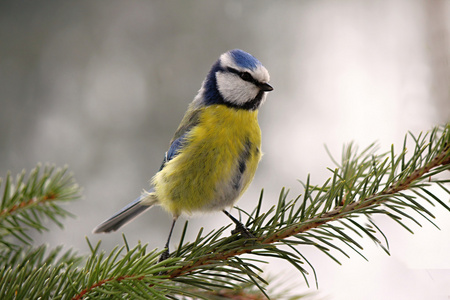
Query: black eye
[{"x": 246, "y": 76}]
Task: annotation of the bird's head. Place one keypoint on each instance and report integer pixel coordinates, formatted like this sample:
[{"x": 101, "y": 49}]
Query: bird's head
[{"x": 237, "y": 80}]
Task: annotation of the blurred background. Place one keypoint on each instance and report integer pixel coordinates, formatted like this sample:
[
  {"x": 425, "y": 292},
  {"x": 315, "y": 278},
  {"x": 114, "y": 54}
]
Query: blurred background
[{"x": 102, "y": 85}]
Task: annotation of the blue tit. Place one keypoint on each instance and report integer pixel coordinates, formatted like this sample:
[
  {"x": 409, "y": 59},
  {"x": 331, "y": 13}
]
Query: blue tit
[{"x": 216, "y": 149}]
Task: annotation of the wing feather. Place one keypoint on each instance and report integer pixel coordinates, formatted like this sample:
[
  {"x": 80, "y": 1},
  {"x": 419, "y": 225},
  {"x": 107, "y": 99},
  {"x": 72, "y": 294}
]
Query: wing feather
[{"x": 190, "y": 120}]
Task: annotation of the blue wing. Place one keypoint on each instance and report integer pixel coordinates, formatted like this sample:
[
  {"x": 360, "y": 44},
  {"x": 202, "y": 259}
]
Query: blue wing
[
  {"x": 175, "y": 148},
  {"x": 190, "y": 120}
]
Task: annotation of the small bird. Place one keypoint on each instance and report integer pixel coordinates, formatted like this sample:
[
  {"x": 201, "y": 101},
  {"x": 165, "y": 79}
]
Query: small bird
[{"x": 216, "y": 149}]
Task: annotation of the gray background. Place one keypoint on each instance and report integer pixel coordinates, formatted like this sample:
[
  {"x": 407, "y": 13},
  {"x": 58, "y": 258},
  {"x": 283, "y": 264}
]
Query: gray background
[{"x": 102, "y": 85}]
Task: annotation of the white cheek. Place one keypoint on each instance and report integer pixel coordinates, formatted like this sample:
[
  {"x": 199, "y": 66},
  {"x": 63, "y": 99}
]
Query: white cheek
[{"x": 235, "y": 90}]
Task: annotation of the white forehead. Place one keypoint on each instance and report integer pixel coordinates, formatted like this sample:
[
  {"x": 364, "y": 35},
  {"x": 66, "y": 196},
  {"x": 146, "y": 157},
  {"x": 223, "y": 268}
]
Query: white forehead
[{"x": 254, "y": 67}]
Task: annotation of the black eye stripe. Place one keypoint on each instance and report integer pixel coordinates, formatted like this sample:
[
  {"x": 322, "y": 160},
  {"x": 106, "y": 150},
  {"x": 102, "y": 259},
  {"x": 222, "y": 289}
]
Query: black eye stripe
[
  {"x": 232, "y": 70},
  {"x": 244, "y": 75}
]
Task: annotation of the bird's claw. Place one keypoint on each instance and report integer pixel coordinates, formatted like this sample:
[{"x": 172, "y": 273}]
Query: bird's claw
[{"x": 243, "y": 231}]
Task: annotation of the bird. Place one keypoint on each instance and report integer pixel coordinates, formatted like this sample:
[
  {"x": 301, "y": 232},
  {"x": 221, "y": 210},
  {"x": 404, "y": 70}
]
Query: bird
[{"x": 214, "y": 153}]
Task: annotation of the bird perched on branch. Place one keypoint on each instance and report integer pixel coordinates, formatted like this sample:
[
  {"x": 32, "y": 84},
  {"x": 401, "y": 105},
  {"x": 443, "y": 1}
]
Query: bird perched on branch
[{"x": 216, "y": 149}]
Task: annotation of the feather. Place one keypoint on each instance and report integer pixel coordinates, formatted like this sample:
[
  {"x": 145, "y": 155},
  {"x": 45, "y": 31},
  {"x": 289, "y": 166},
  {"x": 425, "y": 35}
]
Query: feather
[{"x": 126, "y": 214}]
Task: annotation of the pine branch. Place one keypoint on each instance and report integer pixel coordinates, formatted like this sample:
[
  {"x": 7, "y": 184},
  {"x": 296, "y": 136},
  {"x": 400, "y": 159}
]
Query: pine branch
[
  {"x": 28, "y": 272},
  {"x": 364, "y": 184},
  {"x": 333, "y": 217},
  {"x": 135, "y": 274},
  {"x": 326, "y": 216},
  {"x": 26, "y": 202}
]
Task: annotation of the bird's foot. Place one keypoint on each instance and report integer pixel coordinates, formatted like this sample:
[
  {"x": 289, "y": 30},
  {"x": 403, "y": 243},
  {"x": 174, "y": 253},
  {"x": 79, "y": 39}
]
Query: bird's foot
[
  {"x": 164, "y": 255},
  {"x": 244, "y": 231}
]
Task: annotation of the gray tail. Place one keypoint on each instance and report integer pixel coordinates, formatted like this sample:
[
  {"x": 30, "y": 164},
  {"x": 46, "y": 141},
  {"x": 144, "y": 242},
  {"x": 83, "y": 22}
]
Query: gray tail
[{"x": 125, "y": 215}]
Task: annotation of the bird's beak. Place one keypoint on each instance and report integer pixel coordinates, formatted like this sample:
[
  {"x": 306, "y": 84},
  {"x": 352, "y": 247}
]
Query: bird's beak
[{"x": 265, "y": 87}]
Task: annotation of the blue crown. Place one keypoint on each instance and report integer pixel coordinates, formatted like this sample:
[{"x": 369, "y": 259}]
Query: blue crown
[{"x": 244, "y": 60}]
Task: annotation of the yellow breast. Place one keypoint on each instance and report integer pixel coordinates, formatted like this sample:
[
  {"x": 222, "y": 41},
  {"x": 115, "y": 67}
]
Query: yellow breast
[{"x": 215, "y": 166}]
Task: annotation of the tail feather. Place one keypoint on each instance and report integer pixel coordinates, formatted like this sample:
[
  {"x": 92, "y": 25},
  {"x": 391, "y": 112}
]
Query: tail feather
[{"x": 126, "y": 214}]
